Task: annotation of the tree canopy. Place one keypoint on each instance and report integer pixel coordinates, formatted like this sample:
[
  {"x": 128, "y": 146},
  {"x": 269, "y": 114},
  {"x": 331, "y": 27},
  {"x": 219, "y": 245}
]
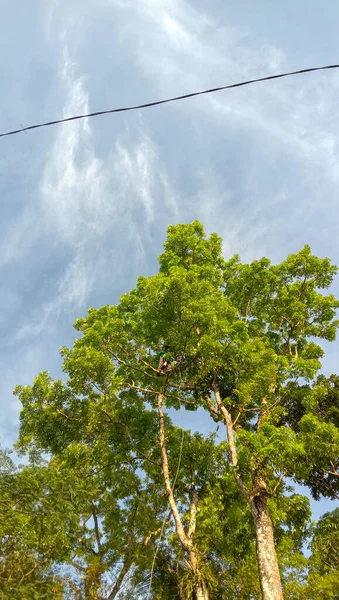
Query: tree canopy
[{"x": 133, "y": 504}]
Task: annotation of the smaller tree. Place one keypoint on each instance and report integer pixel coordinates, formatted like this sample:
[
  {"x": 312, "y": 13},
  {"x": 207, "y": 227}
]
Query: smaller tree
[
  {"x": 29, "y": 535},
  {"x": 99, "y": 440}
]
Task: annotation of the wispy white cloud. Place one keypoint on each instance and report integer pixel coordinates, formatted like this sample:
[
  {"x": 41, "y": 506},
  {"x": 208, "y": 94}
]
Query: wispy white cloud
[
  {"x": 99, "y": 211},
  {"x": 73, "y": 179},
  {"x": 179, "y": 47},
  {"x": 286, "y": 123},
  {"x": 18, "y": 239}
]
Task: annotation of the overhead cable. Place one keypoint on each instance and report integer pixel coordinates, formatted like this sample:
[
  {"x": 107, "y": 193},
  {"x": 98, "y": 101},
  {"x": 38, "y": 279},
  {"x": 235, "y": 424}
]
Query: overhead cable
[{"x": 167, "y": 100}]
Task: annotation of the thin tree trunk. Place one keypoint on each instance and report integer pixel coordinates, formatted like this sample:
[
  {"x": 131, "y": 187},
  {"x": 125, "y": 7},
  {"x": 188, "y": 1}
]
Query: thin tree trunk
[
  {"x": 186, "y": 539},
  {"x": 269, "y": 573}
]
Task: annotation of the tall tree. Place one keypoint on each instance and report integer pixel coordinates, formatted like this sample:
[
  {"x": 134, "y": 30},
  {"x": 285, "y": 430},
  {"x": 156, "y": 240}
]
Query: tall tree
[
  {"x": 241, "y": 345},
  {"x": 244, "y": 334}
]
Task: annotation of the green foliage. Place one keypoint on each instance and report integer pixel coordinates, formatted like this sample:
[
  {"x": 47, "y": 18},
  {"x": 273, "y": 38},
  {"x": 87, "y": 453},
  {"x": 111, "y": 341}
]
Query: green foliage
[
  {"x": 317, "y": 577},
  {"x": 325, "y": 543},
  {"x": 249, "y": 332},
  {"x": 30, "y": 535}
]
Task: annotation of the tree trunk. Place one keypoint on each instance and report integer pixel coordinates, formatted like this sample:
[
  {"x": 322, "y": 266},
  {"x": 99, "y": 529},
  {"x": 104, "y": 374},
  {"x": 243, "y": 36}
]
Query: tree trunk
[
  {"x": 269, "y": 573},
  {"x": 267, "y": 559},
  {"x": 200, "y": 591}
]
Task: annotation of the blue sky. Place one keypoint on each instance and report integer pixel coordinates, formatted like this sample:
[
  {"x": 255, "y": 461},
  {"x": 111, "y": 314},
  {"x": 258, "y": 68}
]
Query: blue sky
[{"x": 85, "y": 206}]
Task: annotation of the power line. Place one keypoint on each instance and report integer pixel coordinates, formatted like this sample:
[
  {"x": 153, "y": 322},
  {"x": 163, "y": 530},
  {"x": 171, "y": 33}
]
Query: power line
[{"x": 167, "y": 100}]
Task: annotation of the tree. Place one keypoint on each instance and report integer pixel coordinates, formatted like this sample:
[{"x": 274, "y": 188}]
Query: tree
[
  {"x": 119, "y": 453},
  {"x": 241, "y": 340},
  {"x": 251, "y": 361},
  {"x": 317, "y": 576},
  {"x": 318, "y": 424},
  {"x": 28, "y": 538},
  {"x": 323, "y": 581},
  {"x": 91, "y": 438}
]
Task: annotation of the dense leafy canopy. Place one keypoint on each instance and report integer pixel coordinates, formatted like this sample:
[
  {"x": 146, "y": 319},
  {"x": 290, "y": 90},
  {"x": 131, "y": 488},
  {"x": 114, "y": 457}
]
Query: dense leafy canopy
[{"x": 135, "y": 506}]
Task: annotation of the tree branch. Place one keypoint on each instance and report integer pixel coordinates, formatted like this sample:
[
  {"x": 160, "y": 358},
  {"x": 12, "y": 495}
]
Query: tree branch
[
  {"x": 237, "y": 417},
  {"x": 156, "y": 392},
  {"x": 150, "y": 535},
  {"x": 77, "y": 566},
  {"x": 186, "y": 543},
  {"x": 154, "y": 369},
  {"x": 232, "y": 447},
  {"x": 125, "y": 364},
  {"x": 96, "y": 527},
  {"x": 193, "y": 513},
  {"x": 277, "y": 485},
  {"x": 65, "y": 415},
  {"x": 215, "y": 414},
  {"x": 116, "y": 588}
]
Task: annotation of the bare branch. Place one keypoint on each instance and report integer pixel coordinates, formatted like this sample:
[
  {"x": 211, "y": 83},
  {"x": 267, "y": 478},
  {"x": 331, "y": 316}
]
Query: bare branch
[
  {"x": 91, "y": 381},
  {"x": 154, "y": 369},
  {"x": 248, "y": 311},
  {"x": 156, "y": 392},
  {"x": 106, "y": 413},
  {"x": 148, "y": 365},
  {"x": 130, "y": 437}
]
